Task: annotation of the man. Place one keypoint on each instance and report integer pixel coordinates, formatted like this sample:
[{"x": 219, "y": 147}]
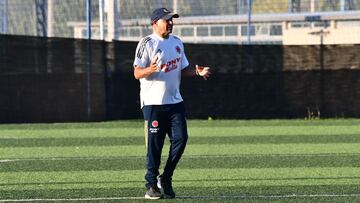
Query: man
[{"x": 159, "y": 63}]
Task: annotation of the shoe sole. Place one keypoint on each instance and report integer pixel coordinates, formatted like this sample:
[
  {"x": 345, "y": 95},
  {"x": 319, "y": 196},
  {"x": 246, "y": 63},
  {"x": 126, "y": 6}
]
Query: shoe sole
[
  {"x": 165, "y": 196},
  {"x": 148, "y": 197}
]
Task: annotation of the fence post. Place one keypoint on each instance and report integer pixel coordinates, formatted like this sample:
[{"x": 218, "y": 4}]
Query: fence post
[
  {"x": 5, "y": 17},
  {"x": 89, "y": 59},
  {"x": 249, "y": 22},
  {"x": 112, "y": 20},
  {"x": 39, "y": 18},
  {"x": 101, "y": 18},
  {"x": 50, "y": 18}
]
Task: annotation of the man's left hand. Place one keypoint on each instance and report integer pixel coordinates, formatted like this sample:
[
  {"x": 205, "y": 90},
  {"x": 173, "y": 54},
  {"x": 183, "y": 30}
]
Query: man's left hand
[{"x": 203, "y": 71}]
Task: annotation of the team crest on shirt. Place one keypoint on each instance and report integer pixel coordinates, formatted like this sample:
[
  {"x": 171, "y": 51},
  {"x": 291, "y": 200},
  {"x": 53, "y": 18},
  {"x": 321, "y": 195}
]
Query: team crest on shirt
[
  {"x": 178, "y": 50},
  {"x": 155, "y": 124},
  {"x": 154, "y": 127}
]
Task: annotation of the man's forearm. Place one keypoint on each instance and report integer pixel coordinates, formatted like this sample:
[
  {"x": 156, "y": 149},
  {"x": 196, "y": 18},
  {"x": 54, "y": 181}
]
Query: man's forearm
[
  {"x": 142, "y": 72},
  {"x": 188, "y": 72},
  {"x": 198, "y": 70}
]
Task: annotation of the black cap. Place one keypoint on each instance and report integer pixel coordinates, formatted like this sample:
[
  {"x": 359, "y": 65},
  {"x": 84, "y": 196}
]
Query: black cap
[{"x": 162, "y": 13}]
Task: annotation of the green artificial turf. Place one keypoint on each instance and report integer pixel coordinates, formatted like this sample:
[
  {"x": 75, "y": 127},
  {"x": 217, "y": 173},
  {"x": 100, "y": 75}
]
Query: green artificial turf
[{"x": 225, "y": 160}]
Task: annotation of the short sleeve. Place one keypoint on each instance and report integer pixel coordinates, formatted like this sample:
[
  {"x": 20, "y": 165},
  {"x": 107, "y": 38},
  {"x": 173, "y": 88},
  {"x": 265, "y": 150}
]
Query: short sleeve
[
  {"x": 184, "y": 60},
  {"x": 142, "y": 58}
]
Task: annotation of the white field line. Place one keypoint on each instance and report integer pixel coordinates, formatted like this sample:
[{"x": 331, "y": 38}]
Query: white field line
[
  {"x": 188, "y": 197},
  {"x": 184, "y": 157},
  {"x": 66, "y": 158}
]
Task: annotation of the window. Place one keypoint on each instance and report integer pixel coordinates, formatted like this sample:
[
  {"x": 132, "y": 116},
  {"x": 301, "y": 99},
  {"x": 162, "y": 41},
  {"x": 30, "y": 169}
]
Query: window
[
  {"x": 231, "y": 31},
  {"x": 83, "y": 33},
  {"x": 202, "y": 31},
  {"x": 275, "y": 30},
  {"x": 94, "y": 33},
  {"x": 216, "y": 31},
  {"x": 124, "y": 32},
  {"x": 300, "y": 24},
  {"x": 176, "y": 31},
  {"x": 134, "y": 32},
  {"x": 324, "y": 24},
  {"x": 187, "y": 31},
  {"x": 146, "y": 31},
  {"x": 244, "y": 30},
  {"x": 295, "y": 6},
  {"x": 261, "y": 29}
]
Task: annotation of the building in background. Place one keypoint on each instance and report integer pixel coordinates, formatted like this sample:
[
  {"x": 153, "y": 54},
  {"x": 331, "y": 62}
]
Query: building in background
[{"x": 202, "y": 21}]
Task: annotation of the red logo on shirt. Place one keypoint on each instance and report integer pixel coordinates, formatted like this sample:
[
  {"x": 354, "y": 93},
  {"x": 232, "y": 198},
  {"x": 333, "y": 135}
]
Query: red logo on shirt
[
  {"x": 178, "y": 49},
  {"x": 170, "y": 65}
]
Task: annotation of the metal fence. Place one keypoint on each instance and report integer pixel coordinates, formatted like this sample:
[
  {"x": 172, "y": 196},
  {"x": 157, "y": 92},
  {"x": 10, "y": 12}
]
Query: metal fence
[
  {"x": 59, "y": 78},
  {"x": 202, "y": 21}
]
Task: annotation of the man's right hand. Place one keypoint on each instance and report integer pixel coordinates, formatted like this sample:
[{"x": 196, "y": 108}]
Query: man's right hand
[
  {"x": 143, "y": 72},
  {"x": 154, "y": 66}
]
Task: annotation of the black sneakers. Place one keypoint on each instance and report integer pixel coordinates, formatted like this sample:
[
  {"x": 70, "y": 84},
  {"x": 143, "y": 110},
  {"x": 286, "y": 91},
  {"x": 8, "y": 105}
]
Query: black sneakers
[
  {"x": 153, "y": 193},
  {"x": 166, "y": 188}
]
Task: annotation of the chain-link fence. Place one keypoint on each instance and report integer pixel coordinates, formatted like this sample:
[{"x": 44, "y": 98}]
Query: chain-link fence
[{"x": 202, "y": 21}]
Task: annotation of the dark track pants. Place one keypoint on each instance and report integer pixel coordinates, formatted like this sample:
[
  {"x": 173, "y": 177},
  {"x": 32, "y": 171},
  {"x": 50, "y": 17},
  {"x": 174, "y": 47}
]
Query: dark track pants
[{"x": 159, "y": 121}]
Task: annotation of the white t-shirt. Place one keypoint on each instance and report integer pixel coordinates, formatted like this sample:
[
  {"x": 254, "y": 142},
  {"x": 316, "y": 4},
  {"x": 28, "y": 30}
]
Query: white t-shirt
[{"x": 161, "y": 87}]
